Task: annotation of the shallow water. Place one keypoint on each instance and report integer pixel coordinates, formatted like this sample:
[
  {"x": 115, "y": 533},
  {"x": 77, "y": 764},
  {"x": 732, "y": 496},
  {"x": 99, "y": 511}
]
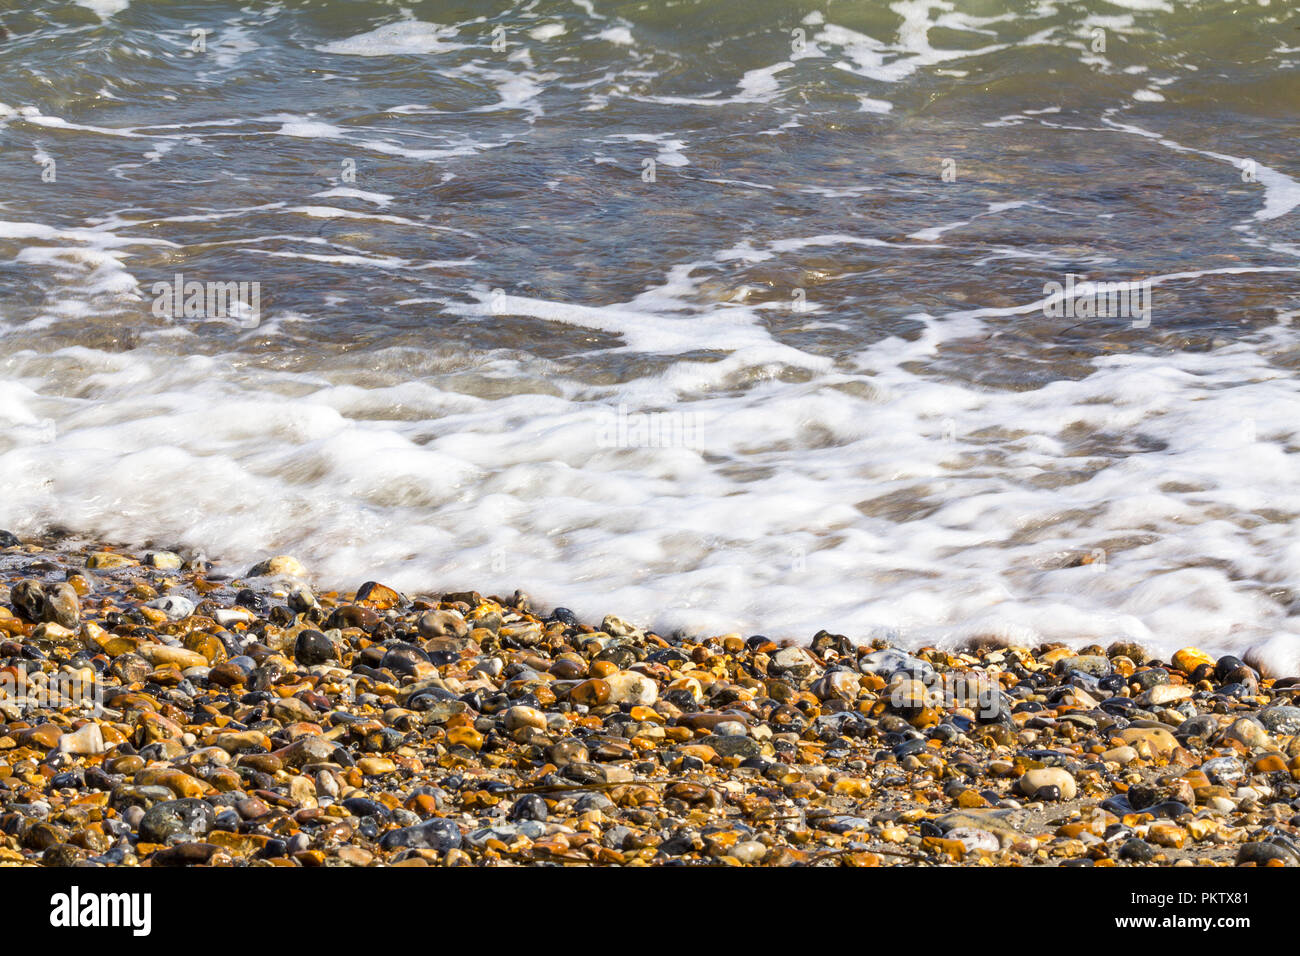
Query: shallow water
[{"x": 797, "y": 374}]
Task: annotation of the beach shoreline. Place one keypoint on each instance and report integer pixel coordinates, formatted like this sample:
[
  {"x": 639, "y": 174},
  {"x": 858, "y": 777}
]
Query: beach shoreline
[{"x": 157, "y": 713}]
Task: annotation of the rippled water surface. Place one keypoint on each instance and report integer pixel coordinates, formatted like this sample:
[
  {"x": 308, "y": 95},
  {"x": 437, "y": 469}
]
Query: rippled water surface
[{"x": 718, "y": 315}]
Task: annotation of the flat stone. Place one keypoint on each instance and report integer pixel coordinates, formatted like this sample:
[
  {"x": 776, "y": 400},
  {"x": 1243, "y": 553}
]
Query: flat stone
[
  {"x": 733, "y": 746},
  {"x": 1281, "y": 719},
  {"x": 163, "y": 654},
  {"x": 109, "y": 560},
  {"x": 230, "y": 616},
  {"x": 437, "y": 834},
  {"x": 307, "y": 750},
  {"x": 1164, "y": 694},
  {"x": 975, "y": 839},
  {"x": 1223, "y": 770},
  {"x": 588, "y": 773},
  {"x": 1261, "y": 854},
  {"x": 1160, "y": 741},
  {"x": 1007, "y": 825},
  {"x": 506, "y": 832},
  {"x": 888, "y": 661},
  {"x": 279, "y": 566},
  {"x": 1121, "y": 755},
  {"x": 372, "y": 594},
  {"x": 88, "y": 740},
  {"x": 1092, "y": 664}
]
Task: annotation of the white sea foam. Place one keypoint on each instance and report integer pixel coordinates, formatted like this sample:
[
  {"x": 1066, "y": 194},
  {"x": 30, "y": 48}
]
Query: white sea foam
[
  {"x": 910, "y": 49},
  {"x": 618, "y": 35},
  {"x": 403, "y": 37},
  {"x": 104, "y": 8},
  {"x": 547, "y": 31},
  {"x": 346, "y": 192},
  {"x": 886, "y": 501}
]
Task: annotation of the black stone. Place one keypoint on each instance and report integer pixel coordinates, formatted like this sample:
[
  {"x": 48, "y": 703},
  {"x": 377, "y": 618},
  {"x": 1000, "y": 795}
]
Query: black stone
[
  {"x": 313, "y": 647},
  {"x": 1171, "y": 809},
  {"x": 404, "y": 659},
  {"x": 1261, "y": 853},
  {"x": 439, "y": 834},
  {"x": 1226, "y": 665},
  {"x": 564, "y": 616},
  {"x": 1137, "y": 850},
  {"x": 1117, "y": 706},
  {"x": 361, "y": 807},
  {"x": 274, "y": 847},
  {"x": 1112, "y": 683},
  {"x": 250, "y": 599},
  {"x": 908, "y": 747},
  {"x": 529, "y": 807}
]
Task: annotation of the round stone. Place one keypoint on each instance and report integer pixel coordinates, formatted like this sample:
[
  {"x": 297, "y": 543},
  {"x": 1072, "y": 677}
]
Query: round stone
[
  {"x": 176, "y": 608},
  {"x": 442, "y": 624},
  {"x": 465, "y": 737},
  {"x": 1035, "y": 780},
  {"x": 312, "y": 647},
  {"x": 591, "y": 693},
  {"x": 177, "y": 821},
  {"x": 1137, "y": 850},
  {"x": 28, "y": 599},
  {"x": 530, "y": 806},
  {"x": 520, "y": 717},
  {"x": 63, "y": 607},
  {"x": 629, "y": 687},
  {"x": 1190, "y": 658},
  {"x": 1249, "y": 732}
]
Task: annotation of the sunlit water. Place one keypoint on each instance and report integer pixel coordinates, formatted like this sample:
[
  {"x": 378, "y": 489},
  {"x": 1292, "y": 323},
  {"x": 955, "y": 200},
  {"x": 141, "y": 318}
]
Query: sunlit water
[{"x": 720, "y": 316}]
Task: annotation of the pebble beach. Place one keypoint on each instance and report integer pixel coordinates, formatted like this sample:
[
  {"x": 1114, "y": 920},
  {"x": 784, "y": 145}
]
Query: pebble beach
[{"x": 157, "y": 711}]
